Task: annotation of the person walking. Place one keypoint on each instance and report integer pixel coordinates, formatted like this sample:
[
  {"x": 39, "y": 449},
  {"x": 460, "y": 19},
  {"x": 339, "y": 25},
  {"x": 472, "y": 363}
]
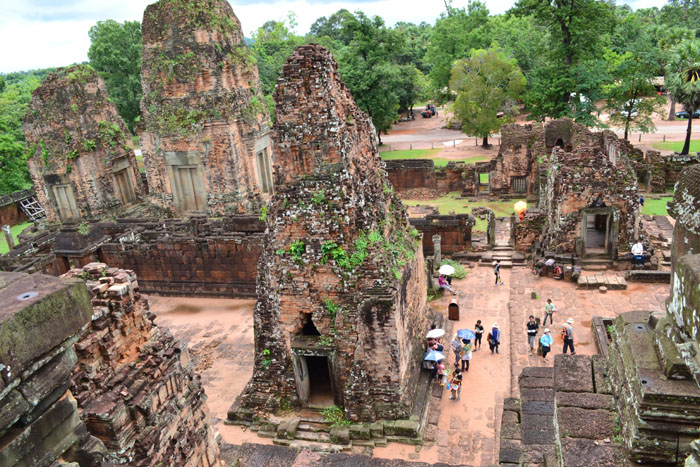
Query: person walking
[
  {"x": 497, "y": 272},
  {"x": 569, "y": 336},
  {"x": 532, "y": 328},
  {"x": 466, "y": 354},
  {"x": 456, "y": 344},
  {"x": 478, "y": 332},
  {"x": 546, "y": 342},
  {"x": 442, "y": 283},
  {"x": 456, "y": 384},
  {"x": 494, "y": 338},
  {"x": 549, "y": 310}
]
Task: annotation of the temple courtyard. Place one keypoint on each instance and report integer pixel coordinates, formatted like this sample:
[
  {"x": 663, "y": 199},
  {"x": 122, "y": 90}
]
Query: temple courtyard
[{"x": 220, "y": 336}]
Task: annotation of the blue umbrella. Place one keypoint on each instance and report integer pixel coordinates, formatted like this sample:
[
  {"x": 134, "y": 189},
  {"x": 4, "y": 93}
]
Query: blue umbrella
[
  {"x": 465, "y": 334},
  {"x": 434, "y": 356}
]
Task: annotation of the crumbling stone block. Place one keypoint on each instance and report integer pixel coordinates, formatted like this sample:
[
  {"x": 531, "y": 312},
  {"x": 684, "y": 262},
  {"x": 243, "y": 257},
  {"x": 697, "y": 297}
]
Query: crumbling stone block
[{"x": 573, "y": 373}]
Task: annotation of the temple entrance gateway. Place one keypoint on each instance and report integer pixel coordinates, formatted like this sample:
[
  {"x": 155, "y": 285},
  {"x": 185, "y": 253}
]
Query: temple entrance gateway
[
  {"x": 320, "y": 391},
  {"x": 313, "y": 374}
]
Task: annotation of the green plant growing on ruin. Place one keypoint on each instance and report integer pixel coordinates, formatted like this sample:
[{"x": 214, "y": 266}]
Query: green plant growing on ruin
[
  {"x": 74, "y": 108},
  {"x": 89, "y": 144},
  {"x": 327, "y": 249},
  {"x": 85, "y": 275},
  {"x": 280, "y": 251},
  {"x": 318, "y": 198},
  {"x": 332, "y": 308},
  {"x": 296, "y": 249},
  {"x": 285, "y": 405},
  {"x": 360, "y": 254},
  {"x": 72, "y": 154},
  {"x": 84, "y": 229},
  {"x": 267, "y": 360},
  {"x": 325, "y": 341},
  {"x": 375, "y": 237},
  {"x": 611, "y": 329},
  {"x": 414, "y": 234},
  {"x": 397, "y": 273},
  {"x": 69, "y": 168},
  {"x": 263, "y": 214},
  {"x": 285, "y": 203},
  {"x": 335, "y": 417},
  {"x": 45, "y": 154},
  {"x": 66, "y": 135},
  {"x": 387, "y": 189},
  {"x": 109, "y": 132}
]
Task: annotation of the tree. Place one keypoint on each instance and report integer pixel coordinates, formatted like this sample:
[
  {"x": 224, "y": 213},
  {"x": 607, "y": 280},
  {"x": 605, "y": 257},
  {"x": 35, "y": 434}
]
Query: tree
[
  {"x": 488, "y": 84},
  {"x": 454, "y": 35},
  {"x": 337, "y": 26},
  {"x": 631, "y": 95},
  {"x": 412, "y": 86},
  {"x": 683, "y": 81},
  {"x": 115, "y": 52}
]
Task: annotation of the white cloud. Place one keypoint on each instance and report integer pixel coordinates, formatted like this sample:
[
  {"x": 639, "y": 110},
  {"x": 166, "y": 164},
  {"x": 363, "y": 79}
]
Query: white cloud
[{"x": 47, "y": 33}]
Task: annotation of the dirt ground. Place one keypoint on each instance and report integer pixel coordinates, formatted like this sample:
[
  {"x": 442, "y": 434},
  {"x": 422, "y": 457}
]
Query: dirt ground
[{"x": 220, "y": 336}]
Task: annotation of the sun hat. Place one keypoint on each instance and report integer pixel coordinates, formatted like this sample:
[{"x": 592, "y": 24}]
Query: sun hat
[
  {"x": 494, "y": 263},
  {"x": 546, "y": 330},
  {"x": 495, "y": 325},
  {"x": 570, "y": 320}
]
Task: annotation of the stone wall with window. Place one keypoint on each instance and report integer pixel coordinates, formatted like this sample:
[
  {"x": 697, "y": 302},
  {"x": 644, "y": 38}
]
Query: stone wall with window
[
  {"x": 80, "y": 154},
  {"x": 204, "y": 133}
]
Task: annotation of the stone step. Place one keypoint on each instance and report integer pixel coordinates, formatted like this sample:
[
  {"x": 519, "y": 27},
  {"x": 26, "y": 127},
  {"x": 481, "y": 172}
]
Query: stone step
[
  {"x": 310, "y": 416},
  {"x": 318, "y": 447},
  {"x": 318, "y": 437},
  {"x": 504, "y": 264},
  {"x": 502, "y": 248},
  {"x": 313, "y": 427}
]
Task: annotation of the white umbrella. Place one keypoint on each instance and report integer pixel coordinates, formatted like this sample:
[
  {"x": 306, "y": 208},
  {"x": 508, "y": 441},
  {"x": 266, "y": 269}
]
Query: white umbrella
[
  {"x": 434, "y": 356},
  {"x": 435, "y": 333},
  {"x": 446, "y": 270}
]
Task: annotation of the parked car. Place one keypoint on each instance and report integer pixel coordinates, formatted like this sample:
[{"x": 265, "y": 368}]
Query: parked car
[{"x": 684, "y": 114}]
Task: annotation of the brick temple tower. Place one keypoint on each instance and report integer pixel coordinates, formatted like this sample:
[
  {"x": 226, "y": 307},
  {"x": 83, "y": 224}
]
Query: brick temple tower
[
  {"x": 205, "y": 126},
  {"x": 342, "y": 306}
]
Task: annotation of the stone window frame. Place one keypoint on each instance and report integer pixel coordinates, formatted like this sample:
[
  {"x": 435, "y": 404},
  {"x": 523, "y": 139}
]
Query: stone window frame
[
  {"x": 262, "y": 155},
  {"x": 122, "y": 165},
  {"x": 61, "y": 181},
  {"x": 175, "y": 160}
]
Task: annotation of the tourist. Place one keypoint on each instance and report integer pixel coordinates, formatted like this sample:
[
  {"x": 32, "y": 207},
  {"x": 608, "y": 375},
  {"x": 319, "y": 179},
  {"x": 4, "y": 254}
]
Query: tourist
[
  {"x": 442, "y": 282},
  {"x": 494, "y": 338},
  {"x": 549, "y": 310},
  {"x": 641, "y": 201},
  {"x": 497, "y": 272},
  {"x": 546, "y": 343},
  {"x": 457, "y": 345},
  {"x": 638, "y": 253},
  {"x": 569, "y": 336},
  {"x": 478, "y": 332},
  {"x": 532, "y": 328},
  {"x": 466, "y": 354},
  {"x": 456, "y": 383}
]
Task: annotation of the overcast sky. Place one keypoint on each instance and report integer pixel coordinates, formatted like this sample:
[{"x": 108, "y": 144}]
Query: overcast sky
[{"x": 51, "y": 33}]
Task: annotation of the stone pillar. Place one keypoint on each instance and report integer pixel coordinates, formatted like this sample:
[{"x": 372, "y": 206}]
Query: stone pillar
[
  {"x": 8, "y": 236},
  {"x": 437, "y": 250}
]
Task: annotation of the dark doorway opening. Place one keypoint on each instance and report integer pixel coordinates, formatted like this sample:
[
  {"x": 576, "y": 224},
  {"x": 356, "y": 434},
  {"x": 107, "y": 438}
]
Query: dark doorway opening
[
  {"x": 309, "y": 328},
  {"x": 596, "y": 232},
  {"x": 321, "y": 392},
  {"x": 560, "y": 143}
]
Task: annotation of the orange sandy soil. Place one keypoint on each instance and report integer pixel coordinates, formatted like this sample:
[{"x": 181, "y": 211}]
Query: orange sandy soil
[{"x": 220, "y": 335}]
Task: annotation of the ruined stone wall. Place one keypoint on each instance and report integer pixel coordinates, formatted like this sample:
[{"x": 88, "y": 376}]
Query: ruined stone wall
[
  {"x": 339, "y": 252},
  {"x": 134, "y": 383},
  {"x": 455, "y": 232},
  {"x": 10, "y": 211},
  {"x": 521, "y": 147},
  {"x": 41, "y": 318},
  {"x": 80, "y": 155},
  {"x": 528, "y": 231},
  {"x": 203, "y": 112},
  {"x": 596, "y": 172},
  {"x": 201, "y": 257}
]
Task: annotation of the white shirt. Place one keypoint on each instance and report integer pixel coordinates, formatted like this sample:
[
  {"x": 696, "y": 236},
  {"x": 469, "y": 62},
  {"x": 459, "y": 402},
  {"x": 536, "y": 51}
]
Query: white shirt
[{"x": 638, "y": 249}]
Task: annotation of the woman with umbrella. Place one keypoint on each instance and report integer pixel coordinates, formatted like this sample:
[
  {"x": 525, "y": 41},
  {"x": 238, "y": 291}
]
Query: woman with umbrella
[
  {"x": 432, "y": 358},
  {"x": 445, "y": 279}
]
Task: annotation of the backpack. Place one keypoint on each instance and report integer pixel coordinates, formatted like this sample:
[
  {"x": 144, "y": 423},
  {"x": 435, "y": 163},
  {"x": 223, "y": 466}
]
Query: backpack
[{"x": 563, "y": 333}]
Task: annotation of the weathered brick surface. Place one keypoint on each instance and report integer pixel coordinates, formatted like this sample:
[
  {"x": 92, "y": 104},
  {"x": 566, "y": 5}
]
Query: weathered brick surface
[
  {"x": 455, "y": 232},
  {"x": 202, "y": 106},
  {"x": 339, "y": 251},
  {"x": 521, "y": 146},
  {"x": 76, "y": 138},
  {"x": 134, "y": 383}
]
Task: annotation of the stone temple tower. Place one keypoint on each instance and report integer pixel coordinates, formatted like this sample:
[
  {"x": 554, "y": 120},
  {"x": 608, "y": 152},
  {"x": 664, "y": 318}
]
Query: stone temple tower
[
  {"x": 342, "y": 306},
  {"x": 81, "y": 159},
  {"x": 205, "y": 126}
]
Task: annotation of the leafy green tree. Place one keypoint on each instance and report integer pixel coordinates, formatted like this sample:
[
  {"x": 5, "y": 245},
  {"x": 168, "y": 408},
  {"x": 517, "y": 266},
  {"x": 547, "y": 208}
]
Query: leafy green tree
[
  {"x": 521, "y": 38},
  {"x": 631, "y": 95},
  {"x": 115, "y": 52},
  {"x": 337, "y": 26},
  {"x": 14, "y": 175},
  {"x": 683, "y": 81},
  {"x": 455, "y": 33},
  {"x": 412, "y": 86},
  {"x": 488, "y": 84},
  {"x": 416, "y": 41}
]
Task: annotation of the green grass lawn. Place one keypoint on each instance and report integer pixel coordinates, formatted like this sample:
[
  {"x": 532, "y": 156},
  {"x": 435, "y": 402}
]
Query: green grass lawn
[
  {"x": 16, "y": 230},
  {"x": 656, "y": 207},
  {"x": 449, "y": 202},
  {"x": 427, "y": 154},
  {"x": 676, "y": 146}
]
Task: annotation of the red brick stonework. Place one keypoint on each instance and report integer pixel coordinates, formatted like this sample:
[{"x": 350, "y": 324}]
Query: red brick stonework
[
  {"x": 205, "y": 127},
  {"x": 340, "y": 259},
  {"x": 81, "y": 159}
]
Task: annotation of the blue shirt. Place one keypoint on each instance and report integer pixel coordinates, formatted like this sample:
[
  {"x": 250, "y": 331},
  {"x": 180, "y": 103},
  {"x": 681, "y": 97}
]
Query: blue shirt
[
  {"x": 496, "y": 334},
  {"x": 546, "y": 340}
]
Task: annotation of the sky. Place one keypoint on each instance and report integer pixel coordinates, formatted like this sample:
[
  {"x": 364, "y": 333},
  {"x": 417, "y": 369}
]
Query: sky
[{"x": 53, "y": 33}]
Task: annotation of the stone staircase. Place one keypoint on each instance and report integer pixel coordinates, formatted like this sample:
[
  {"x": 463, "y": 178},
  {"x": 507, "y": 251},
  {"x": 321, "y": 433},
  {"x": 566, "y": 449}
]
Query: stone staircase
[
  {"x": 509, "y": 257},
  {"x": 596, "y": 262}
]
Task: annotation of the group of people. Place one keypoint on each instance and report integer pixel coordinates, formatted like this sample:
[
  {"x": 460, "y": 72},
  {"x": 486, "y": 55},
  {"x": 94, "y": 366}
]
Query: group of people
[
  {"x": 463, "y": 349},
  {"x": 546, "y": 341}
]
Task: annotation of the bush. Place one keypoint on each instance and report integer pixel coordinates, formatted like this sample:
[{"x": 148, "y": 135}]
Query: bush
[
  {"x": 460, "y": 271},
  {"x": 335, "y": 416}
]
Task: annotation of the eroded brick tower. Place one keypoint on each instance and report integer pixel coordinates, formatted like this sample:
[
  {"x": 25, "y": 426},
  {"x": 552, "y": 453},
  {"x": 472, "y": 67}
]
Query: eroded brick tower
[
  {"x": 205, "y": 138},
  {"x": 81, "y": 159},
  {"x": 341, "y": 289}
]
